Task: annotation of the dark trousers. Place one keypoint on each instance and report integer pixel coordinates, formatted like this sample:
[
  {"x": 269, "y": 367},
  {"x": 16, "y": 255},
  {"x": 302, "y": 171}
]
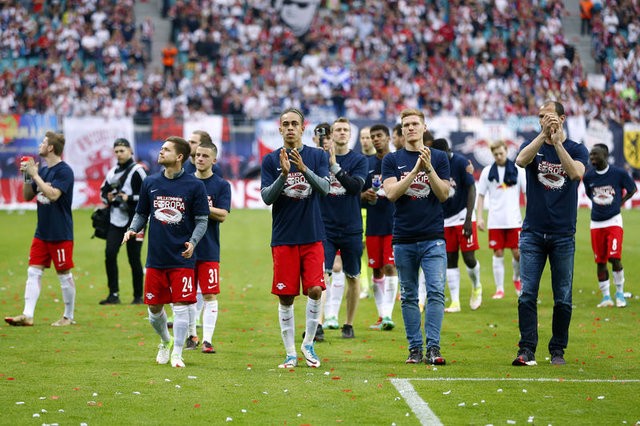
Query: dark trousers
[{"x": 134, "y": 247}]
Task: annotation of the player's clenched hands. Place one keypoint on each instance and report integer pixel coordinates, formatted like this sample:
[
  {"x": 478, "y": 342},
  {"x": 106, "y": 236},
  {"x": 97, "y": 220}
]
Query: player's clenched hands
[
  {"x": 285, "y": 165},
  {"x": 189, "y": 251},
  {"x": 296, "y": 158}
]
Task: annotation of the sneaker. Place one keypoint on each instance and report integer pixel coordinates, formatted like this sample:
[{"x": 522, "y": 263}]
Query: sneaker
[
  {"x": 525, "y": 357},
  {"x": 498, "y": 295},
  {"x": 453, "y": 307},
  {"x": 347, "y": 332},
  {"x": 137, "y": 301},
  {"x": 518, "y": 286},
  {"x": 111, "y": 299},
  {"x": 557, "y": 358},
  {"x": 476, "y": 298},
  {"x": 164, "y": 351},
  {"x": 620, "y": 300},
  {"x": 377, "y": 325},
  {"x": 434, "y": 357},
  {"x": 19, "y": 321},
  {"x": 415, "y": 356},
  {"x": 191, "y": 343},
  {"x": 177, "y": 361},
  {"x": 606, "y": 302},
  {"x": 388, "y": 324},
  {"x": 207, "y": 348},
  {"x": 63, "y": 322},
  {"x": 290, "y": 361},
  {"x": 331, "y": 323},
  {"x": 310, "y": 356}
]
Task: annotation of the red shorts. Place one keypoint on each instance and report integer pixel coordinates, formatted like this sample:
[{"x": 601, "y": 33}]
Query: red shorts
[
  {"x": 379, "y": 251},
  {"x": 456, "y": 240},
  {"x": 172, "y": 285},
  {"x": 504, "y": 238},
  {"x": 42, "y": 253},
  {"x": 294, "y": 264},
  {"x": 208, "y": 277},
  {"x": 607, "y": 243}
]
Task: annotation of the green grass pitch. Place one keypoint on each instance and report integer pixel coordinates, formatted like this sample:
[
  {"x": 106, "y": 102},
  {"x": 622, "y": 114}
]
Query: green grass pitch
[{"x": 102, "y": 371}]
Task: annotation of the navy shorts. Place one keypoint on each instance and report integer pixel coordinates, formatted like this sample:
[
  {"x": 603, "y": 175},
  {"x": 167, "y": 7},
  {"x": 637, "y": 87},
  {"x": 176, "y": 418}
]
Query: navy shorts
[{"x": 350, "y": 247}]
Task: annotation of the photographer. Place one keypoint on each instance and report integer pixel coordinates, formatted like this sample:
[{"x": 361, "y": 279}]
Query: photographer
[{"x": 120, "y": 190}]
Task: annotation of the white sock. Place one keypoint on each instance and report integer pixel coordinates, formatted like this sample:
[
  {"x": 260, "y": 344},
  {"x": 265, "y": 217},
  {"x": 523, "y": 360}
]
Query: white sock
[
  {"x": 334, "y": 295},
  {"x": 378, "y": 294},
  {"x": 68, "y": 293},
  {"x": 199, "y": 305},
  {"x": 515, "y": 264},
  {"x": 604, "y": 288},
  {"x": 159, "y": 323},
  {"x": 180, "y": 327},
  {"x": 453, "y": 279},
  {"x": 209, "y": 319},
  {"x": 313, "y": 319},
  {"x": 422, "y": 288},
  {"x": 390, "y": 292},
  {"x": 193, "y": 313},
  {"x": 498, "y": 272},
  {"x": 474, "y": 274},
  {"x": 32, "y": 291},
  {"x": 618, "y": 280},
  {"x": 287, "y": 328}
]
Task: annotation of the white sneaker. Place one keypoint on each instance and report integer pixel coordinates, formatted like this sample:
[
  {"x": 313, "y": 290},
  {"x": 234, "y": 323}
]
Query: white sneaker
[
  {"x": 620, "y": 300},
  {"x": 290, "y": 361},
  {"x": 164, "y": 352},
  {"x": 453, "y": 307},
  {"x": 63, "y": 322},
  {"x": 476, "y": 298},
  {"x": 605, "y": 302},
  {"x": 176, "y": 361},
  {"x": 310, "y": 356},
  {"x": 331, "y": 323}
]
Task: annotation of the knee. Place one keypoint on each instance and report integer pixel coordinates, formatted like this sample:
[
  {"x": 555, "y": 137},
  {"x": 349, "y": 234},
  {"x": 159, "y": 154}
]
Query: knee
[{"x": 315, "y": 293}]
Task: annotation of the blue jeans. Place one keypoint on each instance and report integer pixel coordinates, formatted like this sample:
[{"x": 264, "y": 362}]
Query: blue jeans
[
  {"x": 432, "y": 257},
  {"x": 535, "y": 248}
]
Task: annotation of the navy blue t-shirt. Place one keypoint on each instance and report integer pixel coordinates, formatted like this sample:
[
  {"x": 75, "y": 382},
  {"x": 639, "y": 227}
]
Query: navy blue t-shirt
[
  {"x": 340, "y": 210},
  {"x": 55, "y": 222},
  {"x": 380, "y": 214},
  {"x": 171, "y": 205},
  {"x": 296, "y": 217},
  {"x": 460, "y": 181},
  {"x": 418, "y": 214},
  {"x": 605, "y": 190},
  {"x": 219, "y": 196},
  {"x": 552, "y": 197}
]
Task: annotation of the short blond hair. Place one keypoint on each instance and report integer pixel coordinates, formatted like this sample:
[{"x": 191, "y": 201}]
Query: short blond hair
[
  {"x": 497, "y": 144},
  {"x": 411, "y": 111}
]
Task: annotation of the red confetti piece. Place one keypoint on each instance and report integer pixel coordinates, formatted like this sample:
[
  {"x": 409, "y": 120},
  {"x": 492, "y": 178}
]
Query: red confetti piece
[
  {"x": 196, "y": 406},
  {"x": 391, "y": 375},
  {"x": 346, "y": 390},
  {"x": 255, "y": 401},
  {"x": 335, "y": 378},
  {"x": 55, "y": 397},
  {"x": 10, "y": 378}
]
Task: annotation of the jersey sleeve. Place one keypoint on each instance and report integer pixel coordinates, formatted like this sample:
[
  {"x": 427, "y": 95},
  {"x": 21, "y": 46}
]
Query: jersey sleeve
[
  {"x": 389, "y": 166},
  {"x": 483, "y": 181},
  {"x": 224, "y": 196},
  {"x": 268, "y": 171}
]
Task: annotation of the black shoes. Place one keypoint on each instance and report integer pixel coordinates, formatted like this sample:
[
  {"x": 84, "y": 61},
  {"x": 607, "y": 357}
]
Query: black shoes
[
  {"x": 137, "y": 301},
  {"x": 347, "y": 332},
  {"x": 112, "y": 299}
]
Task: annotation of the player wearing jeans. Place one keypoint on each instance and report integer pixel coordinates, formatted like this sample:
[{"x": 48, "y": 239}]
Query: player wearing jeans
[
  {"x": 294, "y": 178},
  {"x": 177, "y": 208},
  {"x": 52, "y": 187},
  {"x": 416, "y": 179},
  {"x": 604, "y": 185}
]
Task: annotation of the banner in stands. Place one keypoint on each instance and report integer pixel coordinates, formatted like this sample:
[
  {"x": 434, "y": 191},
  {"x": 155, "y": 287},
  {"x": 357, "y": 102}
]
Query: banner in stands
[{"x": 89, "y": 145}]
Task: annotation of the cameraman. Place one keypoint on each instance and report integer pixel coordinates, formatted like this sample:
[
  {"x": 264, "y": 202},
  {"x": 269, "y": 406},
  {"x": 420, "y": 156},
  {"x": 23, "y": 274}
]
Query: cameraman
[{"x": 121, "y": 190}]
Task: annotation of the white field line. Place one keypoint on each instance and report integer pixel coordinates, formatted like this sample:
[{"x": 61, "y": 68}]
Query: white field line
[
  {"x": 419, "y": 406},
  {"x": 426, "y": 416}
]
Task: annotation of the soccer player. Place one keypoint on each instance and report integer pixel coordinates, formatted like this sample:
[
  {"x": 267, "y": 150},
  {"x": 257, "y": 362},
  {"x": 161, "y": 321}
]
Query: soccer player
[
  {"x": 195, "y": 139},
  {"x": 294, "y": 178},
  {"x": 52, "y": 187},
  {"x": 502, "y": 183},
  {"x": 554, "y": 166},
  {"x": 605, "y": 185},
  {"x": 207, "y": 252},
  {"x": 460, "y": 229},
  {"x": 342, "y": 216},
  {"x": 176, "y": 205},
  {"x": 366, "y": 145},
  {"x": 121, "y": 191},
  {"x": 416, "y": 179},
  {"x": 379, "y": 230},
  {"x": 396, "y": 137}
]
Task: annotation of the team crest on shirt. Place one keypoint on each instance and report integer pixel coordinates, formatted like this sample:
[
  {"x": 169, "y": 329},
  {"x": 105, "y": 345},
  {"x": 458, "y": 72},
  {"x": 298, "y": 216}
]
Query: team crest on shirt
[
  {"x": 551, "y": 175},
  {"x": 168, "y": 210},
  {"x": 42, "y": 199},
  {"x": 297, "y": 186},
  {"x": 603, "y": 195},
  {"x": 336, "y": 188},
  {"x": 420, "y": 187}
]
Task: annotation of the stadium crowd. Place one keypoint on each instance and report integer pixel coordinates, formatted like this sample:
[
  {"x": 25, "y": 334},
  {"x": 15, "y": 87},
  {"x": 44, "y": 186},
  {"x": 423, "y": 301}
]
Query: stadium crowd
[{"x": 360, "y": 59}]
